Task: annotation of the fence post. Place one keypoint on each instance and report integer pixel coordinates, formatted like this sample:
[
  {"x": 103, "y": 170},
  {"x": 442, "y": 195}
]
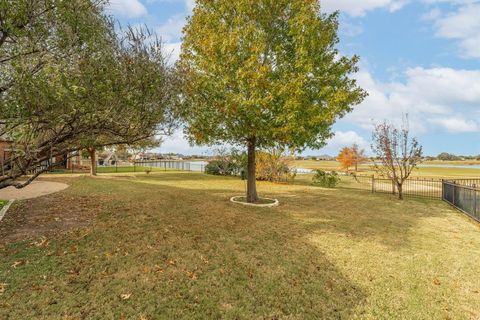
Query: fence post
[
  {"x": 393, "y": 187},
  {"x": 454, "y": 191},
  {"x": 373, "y": 183},
  {"x": 474, "y": 200},
  {"x": 443, "y": 190}
]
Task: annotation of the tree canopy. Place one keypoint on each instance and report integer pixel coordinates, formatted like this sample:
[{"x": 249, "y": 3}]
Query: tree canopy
[
  {"x": 264, "y": 73},
  {"x": 70, "y": 81}
]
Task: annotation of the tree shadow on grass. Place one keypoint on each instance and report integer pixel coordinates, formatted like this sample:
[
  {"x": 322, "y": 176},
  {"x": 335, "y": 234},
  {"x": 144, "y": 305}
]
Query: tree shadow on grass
[
  {"x": 353, "y": 213},
  {"x": 162, "y": 252},
  {"x": 359, "y": 215}
]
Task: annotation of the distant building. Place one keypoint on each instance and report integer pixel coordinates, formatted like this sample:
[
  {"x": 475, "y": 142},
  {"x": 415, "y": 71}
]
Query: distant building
[{"x": 5, "y": 150}]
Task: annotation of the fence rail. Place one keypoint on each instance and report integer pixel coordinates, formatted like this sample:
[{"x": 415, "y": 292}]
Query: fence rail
[
  {"x": 173, "y": 165},
  {"x": 465, "y": 197},
  {"x": 417, "y": 187}
]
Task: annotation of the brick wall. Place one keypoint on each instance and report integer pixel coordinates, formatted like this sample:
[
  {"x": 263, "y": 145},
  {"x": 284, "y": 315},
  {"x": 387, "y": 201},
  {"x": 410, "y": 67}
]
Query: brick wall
[{"x": 4, "y": 150}]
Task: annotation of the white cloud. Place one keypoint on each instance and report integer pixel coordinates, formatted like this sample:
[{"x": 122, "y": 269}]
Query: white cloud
[
  {"x": 358, "y": 8},
  {"x": 190, "y": 4},
  {"x": 462, "y": 25},
  {"x": 456, "y": 124},
  {"x": 177, "y": 143},
  {"x": 127, "y": 8},
  {"x": 346, "y": 138},
  {"x": 436, "y": 99},
  {"x": 171, "y": 30},
  {"x": 172, "y": 51},
  {"x": 171, "y": 33}
]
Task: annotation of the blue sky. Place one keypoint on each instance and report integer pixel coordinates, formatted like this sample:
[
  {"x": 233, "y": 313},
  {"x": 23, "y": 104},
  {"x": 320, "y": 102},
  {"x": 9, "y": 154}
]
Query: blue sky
[{"x": 420, "y": 57}]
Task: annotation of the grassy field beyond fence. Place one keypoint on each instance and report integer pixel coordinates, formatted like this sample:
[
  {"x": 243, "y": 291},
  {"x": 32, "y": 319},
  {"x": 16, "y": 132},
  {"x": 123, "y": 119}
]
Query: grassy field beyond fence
[{"x": 425, "y": 171}]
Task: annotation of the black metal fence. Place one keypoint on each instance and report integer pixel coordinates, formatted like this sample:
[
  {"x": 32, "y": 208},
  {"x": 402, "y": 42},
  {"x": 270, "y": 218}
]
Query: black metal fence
[
  {"x": 415, "y": 187},
  {"x": 463, "y": 195}
]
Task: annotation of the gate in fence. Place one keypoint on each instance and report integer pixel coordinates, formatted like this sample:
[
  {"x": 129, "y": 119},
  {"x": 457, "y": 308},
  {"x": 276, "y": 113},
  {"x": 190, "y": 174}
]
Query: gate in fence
[{"x": 463, "y": 195}]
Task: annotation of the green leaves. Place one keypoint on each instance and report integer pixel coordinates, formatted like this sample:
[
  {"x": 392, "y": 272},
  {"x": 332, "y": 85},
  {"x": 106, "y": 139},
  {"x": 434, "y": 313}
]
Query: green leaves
[
  {"x": 84, "y": 86},
  {"x": 264, "y": 69}
]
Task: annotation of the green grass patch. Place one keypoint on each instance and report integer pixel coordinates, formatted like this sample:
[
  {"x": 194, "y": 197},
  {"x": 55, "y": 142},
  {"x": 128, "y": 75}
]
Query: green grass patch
[
  {"x": 171, "y": 246},
  {"x": 3, "y": 203}
]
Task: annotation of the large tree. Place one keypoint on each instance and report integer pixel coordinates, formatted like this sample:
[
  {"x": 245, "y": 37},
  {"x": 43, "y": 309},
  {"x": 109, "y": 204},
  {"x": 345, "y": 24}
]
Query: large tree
[
  {"x": 136, "y": 90},
  {"x": 264, "y": 73},
  {"x": 69, "y": 81}
]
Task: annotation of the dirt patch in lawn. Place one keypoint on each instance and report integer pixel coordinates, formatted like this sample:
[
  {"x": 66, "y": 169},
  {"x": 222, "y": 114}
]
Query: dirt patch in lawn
[
  {"x": 35, "y": 189},
  {"x": 46, "y": 216}
]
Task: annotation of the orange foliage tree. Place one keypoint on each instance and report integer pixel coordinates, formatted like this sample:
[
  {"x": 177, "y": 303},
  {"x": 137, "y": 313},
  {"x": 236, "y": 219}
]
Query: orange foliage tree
[
  {"x": 351, "y": 157},
  {"x": 345, "y": 157}
]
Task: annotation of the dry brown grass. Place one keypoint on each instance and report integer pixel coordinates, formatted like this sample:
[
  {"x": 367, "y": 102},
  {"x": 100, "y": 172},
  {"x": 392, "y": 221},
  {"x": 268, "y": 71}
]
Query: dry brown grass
[{"x": 171, "y": 245}]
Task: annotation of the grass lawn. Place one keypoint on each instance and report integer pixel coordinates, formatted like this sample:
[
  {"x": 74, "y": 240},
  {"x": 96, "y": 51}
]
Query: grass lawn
[{"x": 171, "y": 246}]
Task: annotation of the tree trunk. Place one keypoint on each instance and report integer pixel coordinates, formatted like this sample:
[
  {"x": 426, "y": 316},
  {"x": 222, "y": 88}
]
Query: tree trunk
[
  {"x": 93, "y": 161},
  {"x": 400, "y": 191},
  {"x": 252, "y": 196}
]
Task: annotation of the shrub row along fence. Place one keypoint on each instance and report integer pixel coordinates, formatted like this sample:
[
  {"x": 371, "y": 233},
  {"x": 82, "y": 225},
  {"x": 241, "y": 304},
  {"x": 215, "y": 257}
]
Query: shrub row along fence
[
  {"x": 463, "y": 194},
  {"x": 417, "y": 187}
]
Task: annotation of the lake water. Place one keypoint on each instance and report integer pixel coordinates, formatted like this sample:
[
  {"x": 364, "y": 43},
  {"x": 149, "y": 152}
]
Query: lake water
[
  {"x": 452, "y": 166},
  {"x": 197, "y": 166}
]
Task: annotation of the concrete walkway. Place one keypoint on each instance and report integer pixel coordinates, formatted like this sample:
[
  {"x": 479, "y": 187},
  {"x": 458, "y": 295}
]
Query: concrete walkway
[{"x": 34, "y": 190}]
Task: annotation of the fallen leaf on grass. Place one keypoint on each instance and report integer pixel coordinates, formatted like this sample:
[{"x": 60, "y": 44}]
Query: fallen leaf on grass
[
  {"x": 158, "y": 269},
  {"x": 436, "y": 281},
  {"x": 125, "y": 296},
  {"x": 17, "y": 263},
  {"x": 191, "y": 275},
  {"x": 2, "y": 287},
  {"x": 42, "y": 242}
]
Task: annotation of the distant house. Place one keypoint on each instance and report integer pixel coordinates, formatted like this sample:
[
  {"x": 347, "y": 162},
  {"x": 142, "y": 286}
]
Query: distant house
[{"x": 5, "y": 150}]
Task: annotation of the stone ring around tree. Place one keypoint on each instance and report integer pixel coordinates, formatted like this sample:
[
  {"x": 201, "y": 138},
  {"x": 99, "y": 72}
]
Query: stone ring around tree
[{"x": 263, "y": 202}]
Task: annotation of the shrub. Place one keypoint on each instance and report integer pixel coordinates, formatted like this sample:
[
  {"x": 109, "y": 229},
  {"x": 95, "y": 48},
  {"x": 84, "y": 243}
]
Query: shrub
[
  {"x": 273, "y": 166},
  {"x": 326, "y": 179},
  {"x": 220, "y": 168}
]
